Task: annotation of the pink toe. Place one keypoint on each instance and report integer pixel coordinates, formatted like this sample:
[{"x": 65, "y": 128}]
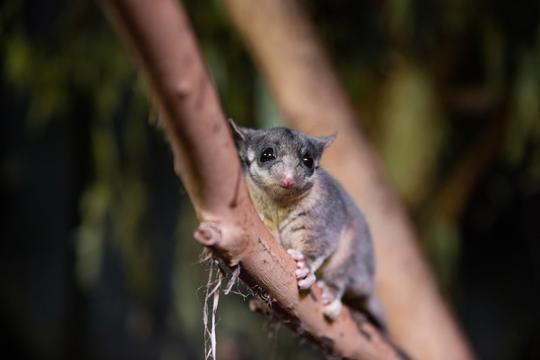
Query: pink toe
[{"x": 301, "y": 273}]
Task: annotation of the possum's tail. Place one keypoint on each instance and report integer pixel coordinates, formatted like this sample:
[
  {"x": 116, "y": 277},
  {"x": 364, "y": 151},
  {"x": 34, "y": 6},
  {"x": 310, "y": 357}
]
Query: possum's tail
[
  {"x": 375, "y": 314},
  {"x": 369, "y": 309},
  {"x": 372, "y": 312}
]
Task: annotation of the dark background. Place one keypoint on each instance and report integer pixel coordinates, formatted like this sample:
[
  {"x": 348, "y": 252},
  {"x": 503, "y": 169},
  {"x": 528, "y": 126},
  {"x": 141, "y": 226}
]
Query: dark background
[{"x": 97, "y": 260}]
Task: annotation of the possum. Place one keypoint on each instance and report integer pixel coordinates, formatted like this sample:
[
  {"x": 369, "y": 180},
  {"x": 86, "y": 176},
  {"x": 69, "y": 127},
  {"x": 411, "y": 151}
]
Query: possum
[{"x": 312, "y": 216}]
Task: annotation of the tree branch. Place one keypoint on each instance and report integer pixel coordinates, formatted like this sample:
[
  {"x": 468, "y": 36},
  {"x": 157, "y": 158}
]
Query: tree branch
[
  {"x": 283, "y": 43},
  {"x": 159, "y": 36}
]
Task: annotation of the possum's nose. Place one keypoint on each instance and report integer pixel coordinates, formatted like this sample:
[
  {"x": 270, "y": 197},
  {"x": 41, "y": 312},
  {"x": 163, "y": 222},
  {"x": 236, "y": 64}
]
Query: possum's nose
[{"x": 288, "y": 179}]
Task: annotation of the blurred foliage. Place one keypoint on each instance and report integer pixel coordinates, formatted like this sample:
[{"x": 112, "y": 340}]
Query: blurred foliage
[{"x": 448, "y": 91}]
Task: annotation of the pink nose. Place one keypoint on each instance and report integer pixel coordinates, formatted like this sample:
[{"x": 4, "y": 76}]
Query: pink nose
[{"x": 288, "y": 181}]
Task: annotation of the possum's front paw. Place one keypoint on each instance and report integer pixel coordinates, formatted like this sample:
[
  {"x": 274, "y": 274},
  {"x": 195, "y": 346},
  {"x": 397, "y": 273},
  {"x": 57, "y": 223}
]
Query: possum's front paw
[{"x": 303, "y": 273}]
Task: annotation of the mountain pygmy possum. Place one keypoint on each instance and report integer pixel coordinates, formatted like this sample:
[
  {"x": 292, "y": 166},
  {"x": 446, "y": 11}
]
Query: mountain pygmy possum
[{"x": 311, "y": 215}]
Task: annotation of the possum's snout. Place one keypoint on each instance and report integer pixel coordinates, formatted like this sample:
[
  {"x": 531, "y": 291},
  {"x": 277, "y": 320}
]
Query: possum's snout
[{"x": 288, "y": 178}]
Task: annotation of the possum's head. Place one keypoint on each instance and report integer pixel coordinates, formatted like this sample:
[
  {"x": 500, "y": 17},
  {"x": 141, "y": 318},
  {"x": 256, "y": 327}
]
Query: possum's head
[{"x": 280, "y": 161}]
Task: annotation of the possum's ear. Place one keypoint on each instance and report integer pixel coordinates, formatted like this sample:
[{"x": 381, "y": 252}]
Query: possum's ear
[
  {"x": 323, "y": 142},
  {"x": 240, "y": 134}
]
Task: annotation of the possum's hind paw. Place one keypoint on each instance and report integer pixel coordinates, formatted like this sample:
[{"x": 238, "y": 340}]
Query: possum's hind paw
[
  {"x": 332, "y": 305},
  {"x": 332, "y": 310},
  {"x": 303, "y": 273}
]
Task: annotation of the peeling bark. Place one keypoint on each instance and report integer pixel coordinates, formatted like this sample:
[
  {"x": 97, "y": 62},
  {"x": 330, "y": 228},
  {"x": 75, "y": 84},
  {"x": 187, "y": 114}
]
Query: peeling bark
[
  {"x": 159, "y": 36},
  {"x": 283, "y": 43}
]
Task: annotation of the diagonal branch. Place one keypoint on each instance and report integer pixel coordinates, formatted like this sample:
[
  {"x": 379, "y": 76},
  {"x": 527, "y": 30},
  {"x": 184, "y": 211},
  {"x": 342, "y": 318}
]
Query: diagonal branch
[
  {"x": 282, "y": 41},
  {"x": 159, "y": 36}
]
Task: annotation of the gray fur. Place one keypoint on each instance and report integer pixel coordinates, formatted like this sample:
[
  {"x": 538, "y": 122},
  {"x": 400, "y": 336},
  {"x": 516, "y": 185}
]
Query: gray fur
[{"x": 315, "y": 216}]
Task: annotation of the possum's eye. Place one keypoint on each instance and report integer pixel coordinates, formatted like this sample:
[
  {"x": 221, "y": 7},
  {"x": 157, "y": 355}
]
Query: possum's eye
[
  {"x": 307, "y": 160},
  {"x": 267, "y": 155}
]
